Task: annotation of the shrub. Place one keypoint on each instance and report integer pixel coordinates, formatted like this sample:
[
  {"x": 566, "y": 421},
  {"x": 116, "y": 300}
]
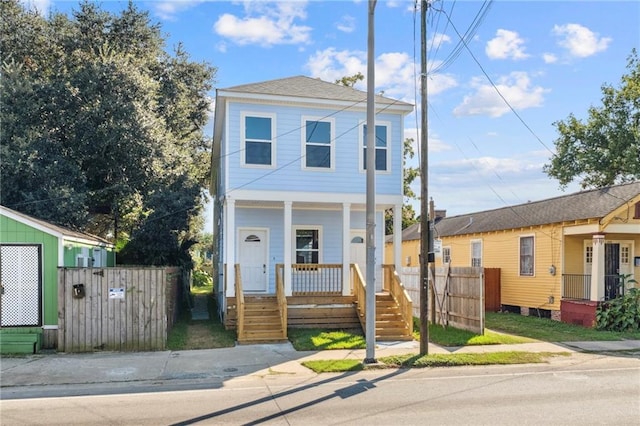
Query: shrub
[
  {"x": 621, "y": 313},
  {"x": 202, "y": 279}
]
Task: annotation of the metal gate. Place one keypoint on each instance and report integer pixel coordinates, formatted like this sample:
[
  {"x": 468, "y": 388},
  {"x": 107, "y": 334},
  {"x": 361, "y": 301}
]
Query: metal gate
[{"x": 21, "y": 289}]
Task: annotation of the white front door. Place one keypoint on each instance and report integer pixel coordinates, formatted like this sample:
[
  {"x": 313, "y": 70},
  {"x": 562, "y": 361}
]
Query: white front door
[
  {"x": 253, "y": 258},
  {"x": 358, "y": 248}
]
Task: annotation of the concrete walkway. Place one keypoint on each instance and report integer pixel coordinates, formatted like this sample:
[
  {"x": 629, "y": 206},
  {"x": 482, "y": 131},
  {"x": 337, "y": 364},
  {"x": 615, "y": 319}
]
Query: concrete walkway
[{"x": 224, "y": 364}]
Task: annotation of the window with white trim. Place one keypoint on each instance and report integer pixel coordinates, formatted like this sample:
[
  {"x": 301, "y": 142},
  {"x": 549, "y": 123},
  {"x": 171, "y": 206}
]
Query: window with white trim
[
  {"x": 588, "y": 254},
  {"x": 527, "y": 251},
  {"x": 307, "y": 245},
  {"x": 476, "y": 253},
  {"x": 624, "y": 255},
  {"x": 382, "y": 144},
  {"x": 318, "y": 143},
  {"x": 257, "y": 133},
  {"x": 446, "y": 255}
]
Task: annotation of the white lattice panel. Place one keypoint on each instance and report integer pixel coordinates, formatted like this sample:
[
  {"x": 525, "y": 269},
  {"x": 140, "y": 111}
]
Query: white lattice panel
[{"x": 20, "y": 285}]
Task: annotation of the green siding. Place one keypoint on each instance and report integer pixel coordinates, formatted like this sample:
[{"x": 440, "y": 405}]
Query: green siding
[{"x": 14, "y": 232}]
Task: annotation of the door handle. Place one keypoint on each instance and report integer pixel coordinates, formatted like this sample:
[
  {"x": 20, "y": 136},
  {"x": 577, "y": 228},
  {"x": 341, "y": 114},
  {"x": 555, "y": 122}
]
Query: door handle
[{"x": 264, "y": 268}]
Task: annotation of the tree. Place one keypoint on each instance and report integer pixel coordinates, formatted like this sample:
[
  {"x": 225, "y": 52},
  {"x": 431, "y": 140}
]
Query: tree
[
  {"x": 102, "y": 129},
  {"x": 350, "y": 81},
  {"x": 604, "y": 150}
]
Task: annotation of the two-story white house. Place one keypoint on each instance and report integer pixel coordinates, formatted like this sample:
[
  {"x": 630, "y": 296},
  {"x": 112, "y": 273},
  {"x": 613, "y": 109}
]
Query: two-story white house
[{"x": 289, "y": 189}]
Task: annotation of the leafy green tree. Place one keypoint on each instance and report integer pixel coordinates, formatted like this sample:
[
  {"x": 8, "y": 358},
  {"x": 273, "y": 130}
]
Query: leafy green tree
[
  {"x": 605, "y": 149},
  {"x": 102, "y": 129}
]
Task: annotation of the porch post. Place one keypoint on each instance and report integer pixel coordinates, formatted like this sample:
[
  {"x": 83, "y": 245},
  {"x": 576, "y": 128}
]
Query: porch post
[
  {"x": 346, "y": 249},
  {"x": 288, "y": 223},
  {"x": 597, "y": 268},
  {"x": 397, "y": 237},
  {"x": 230, "y": 245}
]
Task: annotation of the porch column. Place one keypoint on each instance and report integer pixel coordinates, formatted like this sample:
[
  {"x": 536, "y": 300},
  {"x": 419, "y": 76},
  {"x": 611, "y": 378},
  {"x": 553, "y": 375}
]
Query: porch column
[
  {"x": 288, "y": 291},
  {"x": 230, "y": 245},
  {"x": 597, "y": 268},
  {"x": 397, "y": 237},
  {"x": 346, "y": 249}
]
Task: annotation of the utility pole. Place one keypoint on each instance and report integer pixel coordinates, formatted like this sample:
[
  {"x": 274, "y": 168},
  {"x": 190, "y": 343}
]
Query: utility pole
[
  {"x": 370, "y": 298},
  {"x": 425, "y": 230}
]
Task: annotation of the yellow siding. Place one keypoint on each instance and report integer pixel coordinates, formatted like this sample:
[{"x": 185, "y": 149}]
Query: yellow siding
[
  {"x": 410, "y": 252},
  {"x": 502, "y": 250}
]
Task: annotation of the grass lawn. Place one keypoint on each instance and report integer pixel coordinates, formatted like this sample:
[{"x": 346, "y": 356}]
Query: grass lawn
[{"x": 548, "y": 330}]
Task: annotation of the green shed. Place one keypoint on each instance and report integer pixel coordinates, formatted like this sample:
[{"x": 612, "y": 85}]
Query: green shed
[{"x": 31, "y": 251}]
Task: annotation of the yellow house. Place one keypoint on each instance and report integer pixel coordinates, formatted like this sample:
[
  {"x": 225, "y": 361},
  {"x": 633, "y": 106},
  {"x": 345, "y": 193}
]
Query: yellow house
[{"x": 558, "y": 257}]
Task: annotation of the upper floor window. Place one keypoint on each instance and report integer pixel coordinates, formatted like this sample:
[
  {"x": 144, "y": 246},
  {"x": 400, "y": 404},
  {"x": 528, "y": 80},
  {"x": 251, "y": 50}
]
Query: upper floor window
[
  {"x": 476, "y": 253},
  {"x": 257, "y": 134},
  {"x": 318, "y": 143},
  {"x": 382, "y": 153},
  {"x": 526, "y": 256}
]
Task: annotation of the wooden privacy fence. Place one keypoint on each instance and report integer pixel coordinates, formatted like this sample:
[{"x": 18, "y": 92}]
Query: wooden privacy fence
[
  {"x": 459, "y": 297},
  {"x": 410, "y": 277},
  {"x": 116, "y": 309}
]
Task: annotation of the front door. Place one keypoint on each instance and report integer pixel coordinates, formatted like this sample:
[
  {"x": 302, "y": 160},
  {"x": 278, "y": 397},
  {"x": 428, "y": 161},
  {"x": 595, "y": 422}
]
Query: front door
[
  {"x": 358, "y": 249},
  {"x": 21, "y": 289},
  {"x": 253, "y": 258},
  {"x": 611, "y": 270}
]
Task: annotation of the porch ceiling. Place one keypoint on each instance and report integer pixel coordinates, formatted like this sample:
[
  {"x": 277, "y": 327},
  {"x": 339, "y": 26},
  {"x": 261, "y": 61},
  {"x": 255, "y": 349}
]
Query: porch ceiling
[{"x": 297, "y": 205}]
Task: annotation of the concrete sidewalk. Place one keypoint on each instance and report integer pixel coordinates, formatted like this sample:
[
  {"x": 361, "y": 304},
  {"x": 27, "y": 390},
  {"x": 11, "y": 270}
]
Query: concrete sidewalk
[{"x": 226, "y": 363}]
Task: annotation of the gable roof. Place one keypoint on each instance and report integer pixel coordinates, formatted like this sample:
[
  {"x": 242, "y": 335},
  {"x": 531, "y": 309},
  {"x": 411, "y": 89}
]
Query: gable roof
[
  {"x": 55, "y": 230},
  {"x": 595, "y": 203},
  {"x": 309, "y": 88}
]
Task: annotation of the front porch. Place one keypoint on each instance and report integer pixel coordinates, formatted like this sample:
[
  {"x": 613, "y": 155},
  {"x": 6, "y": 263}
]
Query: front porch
[{"x": 318, "y": 298}]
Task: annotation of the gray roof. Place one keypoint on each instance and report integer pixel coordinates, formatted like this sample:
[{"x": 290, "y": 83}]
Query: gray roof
[
  {"x": 595, "y": 203},
  {"x": 312, "y": 88}
]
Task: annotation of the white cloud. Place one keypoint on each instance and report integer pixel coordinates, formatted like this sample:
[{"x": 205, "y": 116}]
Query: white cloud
[
  {"x": 580, "y": 41},
  {"x": 266, "y": 23},
  {"x": 169, "y": 9},
  {"x": 516, "y": 88},
  {"x": 42, "y": 6},
  {"x": 347, "y": 24},
  {"x": 395, "y": 72},
  {"x": 549, "y": 58},
  {"x": 506, "y": 45}
]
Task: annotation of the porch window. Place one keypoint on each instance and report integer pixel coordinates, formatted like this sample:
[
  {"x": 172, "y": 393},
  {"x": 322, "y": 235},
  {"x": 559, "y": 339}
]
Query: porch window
[
  {"x": 588, "y": 255},
  {"x": 318, "y": 143},
  {"x": 476, "y": 253},
  {"x": 257, "y": 140},
  {"x": 307, "y": 246},
  {"x": 526, "y": 256},
  {"x": 446, "y": 255},
  {"x": 382, "y": 148}
]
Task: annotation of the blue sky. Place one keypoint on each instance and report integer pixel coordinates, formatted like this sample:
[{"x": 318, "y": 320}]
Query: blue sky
[{"x": 547, "y": 59}]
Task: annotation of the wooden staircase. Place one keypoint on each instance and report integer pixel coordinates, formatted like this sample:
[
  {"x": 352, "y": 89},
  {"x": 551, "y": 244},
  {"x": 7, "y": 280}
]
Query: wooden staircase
[
  {"x": 389, "y": 323},
  {"x": 262, "y": 322}
]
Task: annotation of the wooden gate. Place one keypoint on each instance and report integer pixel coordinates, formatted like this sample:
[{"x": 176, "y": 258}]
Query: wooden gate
[
  {"x": 459, "y": 297},
  {"x": 116, "y": 309}
]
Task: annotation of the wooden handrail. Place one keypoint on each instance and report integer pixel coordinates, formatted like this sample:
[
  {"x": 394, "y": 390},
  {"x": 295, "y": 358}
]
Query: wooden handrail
[
  {"x": 359, "y": 291},
  {"x": 239, "y": 302},
  {"x": 400, "y": 295},
  {"x": 281, "y": 298}
]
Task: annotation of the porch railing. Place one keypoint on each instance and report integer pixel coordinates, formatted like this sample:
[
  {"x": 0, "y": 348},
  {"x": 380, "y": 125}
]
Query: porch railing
[
  {"x": 578, "y": 286},
  {"x": 239, "y": 303},
  {"x": 280, "y": 297},
  {"x": 311, "y": 279},
  {"x": 393, "y": 284},
  {"x": 359, "y": 291}
]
